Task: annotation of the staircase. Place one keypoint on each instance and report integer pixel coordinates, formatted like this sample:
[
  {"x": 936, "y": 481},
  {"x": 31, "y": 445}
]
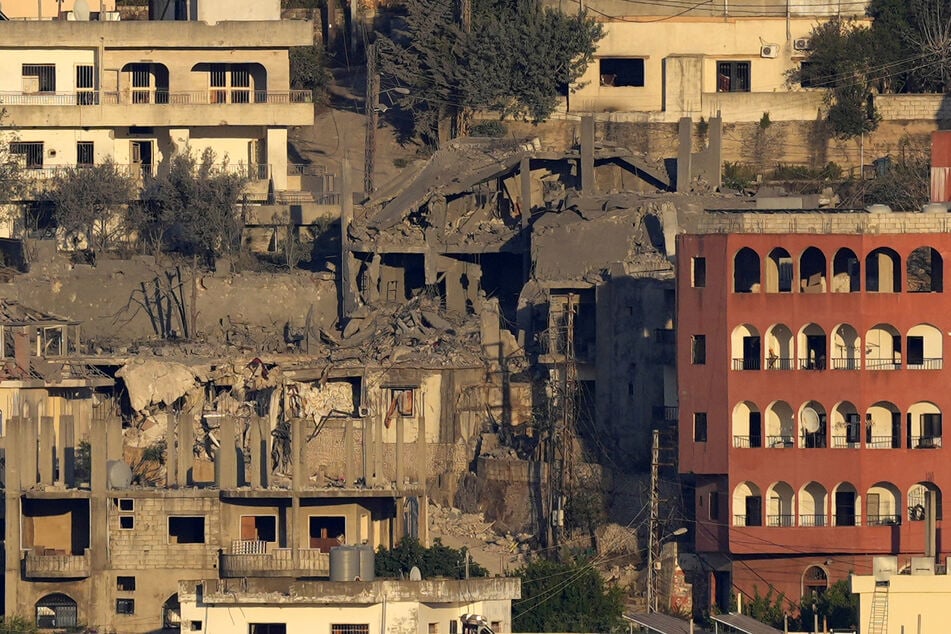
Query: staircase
[{"x": 878, "y": 621}]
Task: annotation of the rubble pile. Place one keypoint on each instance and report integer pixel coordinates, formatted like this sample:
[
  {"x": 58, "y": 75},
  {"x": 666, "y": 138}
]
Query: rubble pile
[{"x": 448, "y": 521}]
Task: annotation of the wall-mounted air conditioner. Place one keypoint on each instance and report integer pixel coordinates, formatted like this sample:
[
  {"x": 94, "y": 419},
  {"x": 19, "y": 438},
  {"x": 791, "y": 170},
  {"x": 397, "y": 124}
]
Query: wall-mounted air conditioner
[
  {"x": 769, "y": 50},
  {"x": 802, "y": 44}
]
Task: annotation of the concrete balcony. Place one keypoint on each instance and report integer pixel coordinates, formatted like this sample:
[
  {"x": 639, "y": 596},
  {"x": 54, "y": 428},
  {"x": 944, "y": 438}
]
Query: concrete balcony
[
  {"x": 278, "y": 562},
  {"x": 159, "y": 108},
  {"x": 55, "y": 566}
]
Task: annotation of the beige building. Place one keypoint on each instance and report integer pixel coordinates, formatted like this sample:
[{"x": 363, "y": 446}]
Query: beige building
[
  {"x": 912, "y": 600},
  {"x": 662, "y": 63},
  {"x": 58, "y": 9},
  {"x": 76, "y": 92},
  {"x": 348, "y": 607}
]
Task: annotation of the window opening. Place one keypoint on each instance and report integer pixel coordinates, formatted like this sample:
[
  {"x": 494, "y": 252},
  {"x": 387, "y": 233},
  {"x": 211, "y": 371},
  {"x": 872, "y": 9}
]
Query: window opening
[
  {"x": 327, "y": 531},
  {"x": 622, "y": 71},
  {"x": 125, "y": 584},
  {"x": 56, "y": 611},
  {"x": 700, "y": 427},
  {"x": 733, "y": 76},
  {"x": 267, "y": 628},
  {"x": 349, "y": 629},
  {"x": 31, "y": 151},
  {"x": 85, "y": 153},
  {"x": 186, "y": 530},
  {"x": 262, "y": 528},
  {"x": 39, "y": 78},
  {"x": 699, "y": 272},
  {"x": 85, "y": 85},
  {"x": 125, "y": 606},
  {"x": 698, "y": 349}
]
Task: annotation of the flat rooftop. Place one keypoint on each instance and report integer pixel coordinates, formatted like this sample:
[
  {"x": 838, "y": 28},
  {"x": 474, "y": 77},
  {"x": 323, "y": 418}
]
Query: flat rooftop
[{"x": 824, "y": 221}]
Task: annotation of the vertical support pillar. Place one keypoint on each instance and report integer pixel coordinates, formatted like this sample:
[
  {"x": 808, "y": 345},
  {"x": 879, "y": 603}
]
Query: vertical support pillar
[
  {"x": 379, "y": 474},
  {"x": 98, "y": 457},
  {"x": 298, "y": 459},
  {"x": 171, "y": 450},
  {"x": 257, "y": 456},
  {"x": 588, "y": 185},
  {"x": 114, "y": 438},
  {"x": 226, "y": 460},
  {"x": 400, "y": 430},
  {"x": 277, "y": 156},
  {"x": 28, "y": 452},
  {"x": 264, "y": 431},
  {"x": 422, "y": 455},
  {"x": 67, "y": 435},
  {"x": 186, "y": 457},
  {"x": 349, "y": 459},
  {"x": 47, "y": 450},
  {"x": 11, "y": 503},
  {"x": 684, "y": 154}
]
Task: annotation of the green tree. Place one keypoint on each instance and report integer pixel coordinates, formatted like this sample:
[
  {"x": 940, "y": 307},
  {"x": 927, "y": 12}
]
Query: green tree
[
  {"x": 93, "y": 202},
  {"x": 309, "y": 71},
  {"x": 912, "y": 44},
  {"x": 12, "y": 179},
  {"x": 514, "y": 60},
  {"x": 769, "y": 608},
  {"x": 436, "y": 561},
  {"x": 837, "y": 605},
  {"x": 565, "y": 597},
  {"x": 17, "y": 625}
]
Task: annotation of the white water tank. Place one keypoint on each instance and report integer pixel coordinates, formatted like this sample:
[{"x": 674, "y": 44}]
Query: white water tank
[{"x": 344, "y": 563}]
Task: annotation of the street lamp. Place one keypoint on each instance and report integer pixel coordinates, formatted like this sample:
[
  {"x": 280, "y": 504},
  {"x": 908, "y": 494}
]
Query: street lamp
[{"x": 653, "y": 562}]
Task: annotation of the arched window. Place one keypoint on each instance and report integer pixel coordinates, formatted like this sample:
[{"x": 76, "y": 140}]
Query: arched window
[
  {"x": 925, "y": 271},
  {"x": 883, "y": 426},
  {"x": 780, "y": 425},
  {"x": 812, "y": 271},
  {"x": 747, "y": 505},
  {"x": 56, "y": 611},
  {"x": 846, "y": 272},
  {"x": 779, "y": 271},
  {"x": 812, "y": 505},
  {"x": 171, "y": 613},
  {"x": 883, "y": 271},
  {"x": 780, "y": 505},
  {"x": 815, "y": 581},
  {"x": 918, "y": 501},
  {"x": 846, "y": 509},
  {"x": 746, "y": 271},
  {"x": 746, "y": 347},
  {"x": 881, "y": 505},
  {"x": 846, "y": 426},
  {"x": 747, "y": 426}
]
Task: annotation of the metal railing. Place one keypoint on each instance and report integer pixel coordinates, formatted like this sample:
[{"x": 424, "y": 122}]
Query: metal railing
[
  {"x": 747, "y": 442},
  {"x": 845, "y": 363},
  {"x": 843, "y": 442},
  {"x": 747, "y": 520},
  {"x": 812, "y": 520},
  {"x": 926, "y": 442},
  {"x": 779, "y": 363},
  {"x": 881, "y": 364},
  {"x": 746, "y": 363},
  {"x": 666, "y": 413},
  {"x": 846, "y": 520},
  {"x": 156, "y": 97},
  {"x": 780, "y": 442},
  {"x": 783, "y": 520},
  {"x": 926, "y": 364},
  {"x": 880, "y": 442},
  {"x": 883, "y": 520},
  {"x": 812, "y": 364},
  {"x": 48, "y": 173}
]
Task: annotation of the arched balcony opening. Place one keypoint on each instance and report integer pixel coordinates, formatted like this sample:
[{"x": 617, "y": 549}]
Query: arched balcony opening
[
  {"x": 924, "y": 348},
  {"x": 779, "y": 348},
  {"x": 747, "y": 505},
  {"x": 55, "y": 611},
  {"x": 779, "y": 271},
  {"x": 924, "y": 426},
  {"x": 918, "y": 501},
  {"x": 815, "y": 581},
  {"x": 882, "y": 348},
  {"x": 780, "y": 505},
  {"x": 780, "y": 425},
  {"x": 746, "y": 271},
  {"x": 882, "y": 505},
  {"x": 244, "y": 82},
  {"x": 812, "y": 350},
  {"x": 144, "y": 82},
  {"x": 172, "y": 613},
  {"x": 813, "y": 501},
  {"x": 812, "y": 426},
  {"x": 846, "y": 272},
  {"x": 883, "y": 426},
  {"x": 747, "y": 426},
  {"x": 925, "y": 271},
  {"x": 747, "y": 349},
  {"x": 812, "y": 271},
  {"x": 846, "y": 426},
  {"x": 846, "y": 505},
  {"x": 846, "y": 348},
  {"x": 883, "y": 271}
]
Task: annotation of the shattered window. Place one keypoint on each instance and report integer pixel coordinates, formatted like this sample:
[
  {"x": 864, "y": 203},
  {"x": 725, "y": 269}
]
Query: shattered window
[{"x": 401, "y": 403}]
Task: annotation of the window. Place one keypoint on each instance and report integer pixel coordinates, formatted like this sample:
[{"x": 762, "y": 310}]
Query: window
[
  {"x": 127, "y": 522},
  {"x": 698, "y": 272},
  {"x": 125, "y": 584},
  {"x": 186, "y": 530},
  {"x": 434, "y": 628},
  {"x": 698, "y": 349},
  {"x": 56, "y": 611},
  {"x": 453, "y": 627},
  {"x": 230, "y": 83},
  {"x": 349, "y": 629},
  {"x": 141, "y": 83},
  {"x": 700, "y": 426},
  {"x": 125, "y": 606},
  {"x": 916, "y": 350},
  {"x": 714, "y": 506},
  {"x": 326, "y": 531},
  {"x": 622, "y": 71},
  {"x": 401, "y": 403},
  {"x": 32, "y": 153},
  {"x": 733, "y": 76},
  {"x": 267, "y": 628},
  {"x": 85, "y": 85},
  {"x": 260, "y": 528},
  {"x": 194, "y": 626},
  {"x": 84, "y": 153},
  {"x": 126, "y": 505},
  {"x": 39, "y": 78}
]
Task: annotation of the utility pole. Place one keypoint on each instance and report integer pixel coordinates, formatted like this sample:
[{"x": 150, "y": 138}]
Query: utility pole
[
  {"x": 372, "y": 98},
  {"x": 653, "y": 539},
  {"x": 563, "y": 458}
]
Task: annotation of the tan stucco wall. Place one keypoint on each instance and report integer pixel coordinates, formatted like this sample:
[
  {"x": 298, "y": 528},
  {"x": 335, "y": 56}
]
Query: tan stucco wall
[
  {"x": 212, "y": 11},
  {"x": 48, "y": 9},
  {"x": 910, "y": 597}
]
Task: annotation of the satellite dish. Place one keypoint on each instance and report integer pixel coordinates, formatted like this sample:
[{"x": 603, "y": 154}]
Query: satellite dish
[
  {"x": 810, "y": 420},
  {"x": 119, "y": 475},
  {"x": 81, "y": 10},
  {"x": 415, "y": 574}
]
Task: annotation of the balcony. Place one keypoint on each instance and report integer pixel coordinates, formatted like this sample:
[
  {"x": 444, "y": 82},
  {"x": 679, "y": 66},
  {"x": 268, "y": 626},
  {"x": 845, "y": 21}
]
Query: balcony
[
  {"x": 779, "y": 363},
  {"x": 748, "y": 442},
  {"x": 44, "y": 563},
  {"x": 883, "y": 520},
  {"x": 254, "y": 559},
  {"x": 926, "y": 364},
  {"x": 149, "y": 107},
  {"x": 882, "y": 442},
  {"x": 746, "y": 363},
  {"x": 780, "y": 442},
  {"x": 844, "y": 442},
  {"x": 846, "y": 363},
  {"x": 882, "y": 364},
  {"x": 783, "y": 521},
  {"x": 926, "y": 442},
  {"x": 665, "y": 413},
  {"x": 812, "y": 520}
]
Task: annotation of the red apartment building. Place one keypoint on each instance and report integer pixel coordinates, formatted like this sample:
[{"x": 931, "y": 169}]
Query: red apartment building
[{"x": 812, "y": 386}]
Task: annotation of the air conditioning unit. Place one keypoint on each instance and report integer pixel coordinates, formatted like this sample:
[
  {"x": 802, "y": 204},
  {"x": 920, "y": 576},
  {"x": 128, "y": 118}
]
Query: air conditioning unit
[
  {"x": 769, "y": 50},
  {"x": 802, "y": 44}
]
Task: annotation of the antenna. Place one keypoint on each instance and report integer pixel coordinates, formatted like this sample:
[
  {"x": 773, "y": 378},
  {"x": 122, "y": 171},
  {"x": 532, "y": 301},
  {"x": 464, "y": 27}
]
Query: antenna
[{"x": 810, "y": 420}]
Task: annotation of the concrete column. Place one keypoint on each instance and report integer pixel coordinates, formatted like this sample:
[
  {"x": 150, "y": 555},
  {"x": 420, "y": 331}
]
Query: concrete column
[
  {"x": 47, "y": 449},
  {"x": 525, "y": 172},
  {"x": 589, "y": 186},
  {"x": 28, "y": 452},
  {"x": 12, "y": 513},
  {"x": 349, "y": 457},
  {"x": 294, "y": 531},
  {"x": 684, "y": 154},
  {"x": 277, "y": 156},
  {"x": 114, "y": 438},
  {"x": 400, "y": 429},
  {"x": 378, "y": 453},
  {"x": 298, "y": 459},
  {"x": 225, "y": 461},
  {"x": 99, "y": 458},
  {"x": 257, "y": 456},
  {"x": 171, "y": 450},
  {"x": 422, "y": 455},
  {"x": 264, "y": 460},
  {"x": 186, "y": 457},
  {"x": 67, "y": 438}
]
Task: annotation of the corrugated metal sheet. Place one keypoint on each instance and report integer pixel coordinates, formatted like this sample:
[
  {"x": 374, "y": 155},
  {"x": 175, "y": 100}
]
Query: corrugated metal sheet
[
  {"x": 663, "y": 624},
  {"x": 745, "y": 624},
  {"x": 940, "y": 184}
]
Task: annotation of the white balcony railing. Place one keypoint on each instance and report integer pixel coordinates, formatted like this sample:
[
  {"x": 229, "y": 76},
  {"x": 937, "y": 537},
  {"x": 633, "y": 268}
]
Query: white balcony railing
[{"x": 155, "y": 97}]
